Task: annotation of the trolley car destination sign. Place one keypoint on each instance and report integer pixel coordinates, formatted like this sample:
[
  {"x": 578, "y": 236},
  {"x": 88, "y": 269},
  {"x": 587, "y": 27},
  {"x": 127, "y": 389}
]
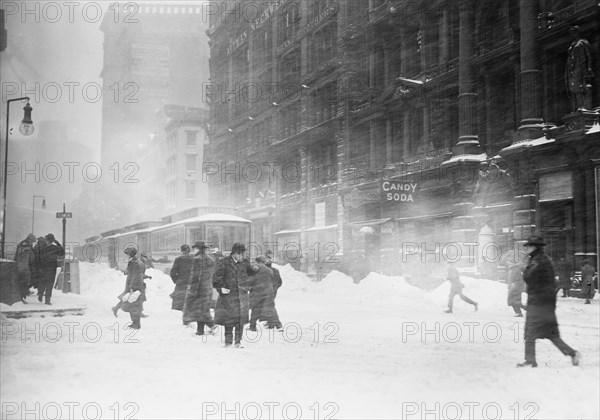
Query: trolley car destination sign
[{"x": 399, "y": 191}]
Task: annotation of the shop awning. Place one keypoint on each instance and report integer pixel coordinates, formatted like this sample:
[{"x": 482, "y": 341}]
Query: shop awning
[
  {"x": 374, "y": 222},
  {"x": 317, "y": 228},
  {"x": 287, "y": 232},
  {"x": 428, "y": 216}
]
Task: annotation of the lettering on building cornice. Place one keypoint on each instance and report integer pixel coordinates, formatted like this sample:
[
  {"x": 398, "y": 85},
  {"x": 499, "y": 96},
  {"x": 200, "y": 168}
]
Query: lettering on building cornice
[
  {"x": 237, "y": 42},
  {"x": 328, "y": 11},
  {"x": 267, "y": 13}
]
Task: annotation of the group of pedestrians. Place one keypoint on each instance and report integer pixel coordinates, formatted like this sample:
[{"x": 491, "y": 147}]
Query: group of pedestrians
[
  {"x": 240, "y": 285},
  {"x": 36, "y": 264},
  {"x": 533, "y": 272}
]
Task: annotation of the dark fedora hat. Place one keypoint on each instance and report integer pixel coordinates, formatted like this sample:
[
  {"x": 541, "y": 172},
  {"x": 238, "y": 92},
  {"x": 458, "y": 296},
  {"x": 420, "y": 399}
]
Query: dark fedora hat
[
  {"x": 535, "y": 240},
  {"x": 201, "y": 245}
]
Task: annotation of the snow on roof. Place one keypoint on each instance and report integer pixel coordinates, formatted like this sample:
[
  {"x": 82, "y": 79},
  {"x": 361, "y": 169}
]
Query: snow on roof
[
  {"x": 466, "y": 158},
  {"x": 212, "y": 217},
  {"x": 529, "y": 143}
]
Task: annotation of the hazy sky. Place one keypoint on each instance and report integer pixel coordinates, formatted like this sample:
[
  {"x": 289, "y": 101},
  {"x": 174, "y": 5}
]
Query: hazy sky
[{"x": 54, "y": 55}]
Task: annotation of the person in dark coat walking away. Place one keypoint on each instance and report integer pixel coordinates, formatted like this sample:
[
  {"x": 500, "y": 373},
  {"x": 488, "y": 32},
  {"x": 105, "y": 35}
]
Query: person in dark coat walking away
[
  {"x": 199, "y": 291},
  {"x": 540, "y": 321},
  {"x": 564, "y": 271},
  {"x": 37, "y": 250},
  {"x": 587, "y": 281},
  {"x": 277, "y": 281},
  {"x": 456, "y": 287},
  {"x": 47, "y": 261},
  {"x": 133, "y": 283},
  {"x": 180, "y": 274},
  {"x": 231, "y": 281},
  {"x": 516, "y": 286},
  {"x": 262, "y": 297},
  {"x": 25, "y": 264}
]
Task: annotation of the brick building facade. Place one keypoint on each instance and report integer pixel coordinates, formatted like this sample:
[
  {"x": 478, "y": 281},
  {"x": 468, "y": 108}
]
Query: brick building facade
[{"x": 386, "y": 129}]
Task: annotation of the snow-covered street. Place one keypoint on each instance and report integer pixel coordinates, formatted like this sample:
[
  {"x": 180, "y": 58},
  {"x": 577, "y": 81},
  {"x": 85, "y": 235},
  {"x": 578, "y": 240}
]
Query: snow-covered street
[{"x": 379, "y": 349}]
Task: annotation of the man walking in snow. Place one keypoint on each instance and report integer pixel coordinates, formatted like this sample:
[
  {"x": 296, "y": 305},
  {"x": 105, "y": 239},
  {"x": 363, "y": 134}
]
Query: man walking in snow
[
  {"x": 199, "y": 291},
  {"x": 231, "y": 281},
  {"x": 516, "y": 286},
  {"x": 540, "y": 321},
  {"x": 587, "y": 281},
  {"x": 262, "y": 298},
  {"x": 48, "y": 261},
  {"x": 456, "y": 287},
  {"x": 180, "y": 274}
]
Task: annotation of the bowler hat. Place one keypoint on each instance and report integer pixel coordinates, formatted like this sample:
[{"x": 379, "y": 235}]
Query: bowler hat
[
  {"x": 200, "y": 245},
  {"x": 535, "y": 240}
]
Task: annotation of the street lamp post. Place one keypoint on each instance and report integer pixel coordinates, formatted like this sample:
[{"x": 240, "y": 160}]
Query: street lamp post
[
  {"x": 26, "y": 128},
  {"x": 33, "y": 210}
]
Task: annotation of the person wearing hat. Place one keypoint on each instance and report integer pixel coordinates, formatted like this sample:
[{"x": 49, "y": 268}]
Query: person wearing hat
[
  {"x": 47, "y": 261},
  {"x": 25, "y": 264},
  {"x": 133, "y": 283},
  {"x": 199, "y": 291},
  {"x": 231, "y": 281},
  {"x": 540, "y": 321},
  {"x": 180, "y": 274},
  {"x": 37, "y": 251},
  {"x": 277, "y": 281},
  {"x": 587, "y": 281},
  {"x": 262, "y": 297}
]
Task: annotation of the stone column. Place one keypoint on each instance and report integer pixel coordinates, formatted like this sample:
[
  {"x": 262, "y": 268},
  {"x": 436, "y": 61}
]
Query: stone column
[
  {"x": 305, "y": 203},
  {"x": 590, "y": 213},
  {"x": 389, "y": 143},
  {"x": 531, "y": 74},
  {"x": 468, "y": 141}
]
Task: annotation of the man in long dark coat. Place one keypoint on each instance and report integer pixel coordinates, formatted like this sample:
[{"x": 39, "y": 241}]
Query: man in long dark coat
[
  {"x": 231, "y": 281},
  {"x": 540, "y": 321},
  {"x": 180, "y": 274},
  {"x": 262, "y": 297},
  {"x": 25, "y": 264},
  {"x": 199, "y": 292},
  {"x": 47, "y": 262},
  {"x": 37, "y": 251}
]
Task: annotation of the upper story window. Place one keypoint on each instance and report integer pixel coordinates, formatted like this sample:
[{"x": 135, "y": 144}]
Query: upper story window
[
  {"x": 190, "y": 162},
  {"x": 290, "y": 67},
  {"x": 289, "y": 21},
  {"x": 191, "y": 137},
  {"x": 263, "y": 42},
  {"x": 322, "y": 45}
]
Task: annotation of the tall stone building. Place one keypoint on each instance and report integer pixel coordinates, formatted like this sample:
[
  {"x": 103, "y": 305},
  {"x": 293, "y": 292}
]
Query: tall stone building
[
  {"x": 389, "y": 131},
  {"x": 155, "y": 54}
]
